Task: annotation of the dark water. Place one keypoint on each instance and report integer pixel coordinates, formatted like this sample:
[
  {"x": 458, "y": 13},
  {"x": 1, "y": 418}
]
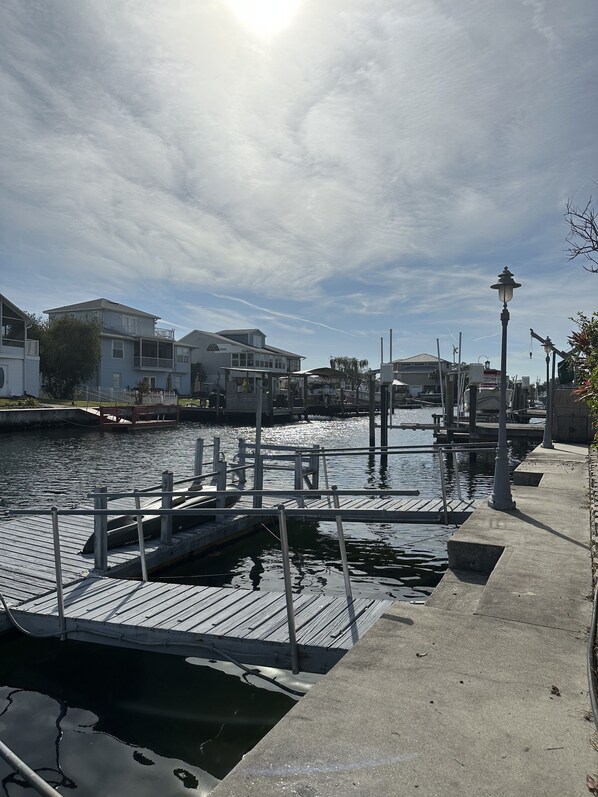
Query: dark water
[{"x": 103, "y": 720}]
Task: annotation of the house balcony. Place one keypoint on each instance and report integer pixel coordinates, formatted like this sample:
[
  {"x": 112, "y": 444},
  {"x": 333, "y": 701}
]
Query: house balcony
[
  {"x": 162, "y": 332},
  {"x": 160, "y": 363}
]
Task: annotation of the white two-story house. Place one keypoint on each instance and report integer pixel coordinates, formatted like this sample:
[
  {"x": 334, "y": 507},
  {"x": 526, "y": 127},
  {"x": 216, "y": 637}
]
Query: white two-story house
[{"x": 19, "y": 356}]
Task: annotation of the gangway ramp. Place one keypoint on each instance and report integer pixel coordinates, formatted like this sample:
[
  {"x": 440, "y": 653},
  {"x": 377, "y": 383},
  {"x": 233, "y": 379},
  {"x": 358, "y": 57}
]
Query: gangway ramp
[{"x": 215, "y": 622}]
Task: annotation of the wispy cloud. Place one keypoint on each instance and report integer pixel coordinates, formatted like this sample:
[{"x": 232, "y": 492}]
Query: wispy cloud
[{"x": 370, "y": 165}]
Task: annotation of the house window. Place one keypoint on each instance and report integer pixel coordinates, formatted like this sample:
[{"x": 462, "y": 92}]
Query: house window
[
  {"x": 116, "y": 379},
  {"x": 118, "y": 349},
  {"x": 234, "y": 360},
  {"x": 130, "y": 324},
  {"x": 182, "y": 355},
  {"x": 177, "y": 383}
]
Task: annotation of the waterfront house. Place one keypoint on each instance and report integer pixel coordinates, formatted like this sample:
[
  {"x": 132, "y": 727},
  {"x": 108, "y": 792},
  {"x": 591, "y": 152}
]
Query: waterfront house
[
  {"x": 421, "y": 373},
  {"x": 134, "y": 349},
  {"x": 237, "y": 357},
  {"x": 19, "y": 356}
]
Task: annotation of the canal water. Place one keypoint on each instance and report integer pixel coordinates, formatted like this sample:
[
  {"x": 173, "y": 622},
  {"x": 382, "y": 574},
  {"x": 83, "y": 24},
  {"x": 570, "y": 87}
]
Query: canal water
[{"x": 97, "y": 719}]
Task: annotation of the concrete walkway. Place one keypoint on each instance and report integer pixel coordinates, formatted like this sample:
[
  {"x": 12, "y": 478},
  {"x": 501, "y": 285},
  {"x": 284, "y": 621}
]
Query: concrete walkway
[{"x": 482, "y": 691}]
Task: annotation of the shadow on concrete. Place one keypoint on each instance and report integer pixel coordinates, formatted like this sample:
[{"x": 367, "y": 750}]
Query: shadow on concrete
[
  {"x": 395, "y": 619},
  {"x": 533, "y": 522}
]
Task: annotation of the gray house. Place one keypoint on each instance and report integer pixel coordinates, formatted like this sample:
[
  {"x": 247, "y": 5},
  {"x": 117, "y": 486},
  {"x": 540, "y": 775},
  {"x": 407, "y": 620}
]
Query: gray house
[
  {"x": 231, "y": 355},
  {"x": 133, "y": 347},
  {"x": 420, "y": 373},
  {"x": 19, "y": 356}
]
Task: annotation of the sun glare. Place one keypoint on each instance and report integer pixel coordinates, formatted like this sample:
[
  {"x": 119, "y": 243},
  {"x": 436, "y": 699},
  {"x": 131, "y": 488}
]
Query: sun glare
[{"x": 264, "y": 17}]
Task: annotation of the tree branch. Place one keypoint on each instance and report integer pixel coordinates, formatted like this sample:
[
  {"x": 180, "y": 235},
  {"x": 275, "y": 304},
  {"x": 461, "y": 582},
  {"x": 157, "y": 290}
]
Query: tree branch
[{"x": 583, "y": 233}]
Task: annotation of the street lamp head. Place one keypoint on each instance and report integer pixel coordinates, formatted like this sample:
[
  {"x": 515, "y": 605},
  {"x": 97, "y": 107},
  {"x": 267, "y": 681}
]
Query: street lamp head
[
  {"x": 547, "y": 345},
  {"x": 505, "y": 286},
  {"x": 487, "y": 364}
]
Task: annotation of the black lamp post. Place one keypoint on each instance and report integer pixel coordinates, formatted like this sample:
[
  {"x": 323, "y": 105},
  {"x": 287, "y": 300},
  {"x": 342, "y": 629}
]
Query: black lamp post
[
  {"x": 501, "y": 497},
  {"x": 547, "y": 438}
]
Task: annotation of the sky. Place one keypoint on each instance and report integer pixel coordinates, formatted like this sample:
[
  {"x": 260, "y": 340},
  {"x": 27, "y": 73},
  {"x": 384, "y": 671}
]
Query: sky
[{"x": 324, "y": 170}]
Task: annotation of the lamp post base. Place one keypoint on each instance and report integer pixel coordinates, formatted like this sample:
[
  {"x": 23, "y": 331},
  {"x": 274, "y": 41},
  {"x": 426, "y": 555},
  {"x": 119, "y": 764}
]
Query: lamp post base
[{"x": 501, "y": 506}]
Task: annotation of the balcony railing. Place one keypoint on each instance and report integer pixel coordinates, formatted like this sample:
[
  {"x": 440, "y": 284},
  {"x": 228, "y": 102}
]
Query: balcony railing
[
  {"x": 12, "y": 343},
  {"x": 153, "y": 362},
  {"x": 162, "y": 332}
]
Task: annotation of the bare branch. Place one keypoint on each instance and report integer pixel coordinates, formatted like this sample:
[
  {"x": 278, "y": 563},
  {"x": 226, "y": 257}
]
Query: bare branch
[{"x": 583, "y": 233}]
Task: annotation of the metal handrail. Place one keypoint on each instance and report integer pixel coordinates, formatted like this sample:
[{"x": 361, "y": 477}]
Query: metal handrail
[
  {"x": 306, "y": 512},
  {"x": 275, "y": 492},
  {"x": 286, "y": 569},
  {"x": 30, "y": 775}
]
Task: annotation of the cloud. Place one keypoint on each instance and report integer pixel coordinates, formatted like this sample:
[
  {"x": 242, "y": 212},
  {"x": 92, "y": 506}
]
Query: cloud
[{"x": 372, "y": 160}]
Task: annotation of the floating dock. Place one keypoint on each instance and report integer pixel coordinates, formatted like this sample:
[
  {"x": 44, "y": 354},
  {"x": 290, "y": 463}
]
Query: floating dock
[{"x": 110, "y": 608}]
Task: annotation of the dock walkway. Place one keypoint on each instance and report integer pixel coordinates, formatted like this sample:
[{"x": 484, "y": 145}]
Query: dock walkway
[
  {"x": 328, "y": 625},
  {"x": 209, "y": 621}
]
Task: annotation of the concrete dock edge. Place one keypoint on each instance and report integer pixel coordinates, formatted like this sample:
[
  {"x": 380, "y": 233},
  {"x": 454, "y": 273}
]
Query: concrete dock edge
[{"x": 483, "y": 690}]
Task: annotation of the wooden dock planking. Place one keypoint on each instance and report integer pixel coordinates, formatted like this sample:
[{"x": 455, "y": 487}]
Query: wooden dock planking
[
  {"x": 322, "y": 637},
  {"x": 154, "y": 614}
]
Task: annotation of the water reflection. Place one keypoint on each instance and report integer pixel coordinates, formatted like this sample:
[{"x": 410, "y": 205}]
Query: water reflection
[
  {"x": 84, "y": 714},
  {"x": 386, "y": 560},
  {"x": 140, "y": 723},
  {"x": 62, "y": 466}
]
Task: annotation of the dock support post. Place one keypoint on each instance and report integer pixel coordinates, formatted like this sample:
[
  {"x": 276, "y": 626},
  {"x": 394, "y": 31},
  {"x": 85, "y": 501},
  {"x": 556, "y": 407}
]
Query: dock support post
[
  {"x": 140, "y": 536},
  {"x": 325, "y": 471},
  {"x": 299, "y": 477},
  {"x": 342, "y": 546},
  {"x": 305, "y": 406},
  {"x": 450, "y": 406},
  {"x": 270, "y": 393},
  {"x": 286, "y": 568},
  {"x": 443, "y": 485},
  {"x": 215, "y": 458},
  {"x": 166, "y": 520},
  {"x": 258, "y": 472},
  {"x": 58, "y": 569},
  {"x": 241, "y": 458},
  {"x": 100, "y": 531},
  {"x": 198, "y": 466},
  {"x": 383, "y": 416},
  {"x": 221, "y": 469},
  {"x": 372, "y": 409},
  {"x": 473, "y": 408},
  {"x": 314, "y": 466}
]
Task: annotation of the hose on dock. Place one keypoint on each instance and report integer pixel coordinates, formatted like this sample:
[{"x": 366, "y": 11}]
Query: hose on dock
[{"x": 17, "y": 625}]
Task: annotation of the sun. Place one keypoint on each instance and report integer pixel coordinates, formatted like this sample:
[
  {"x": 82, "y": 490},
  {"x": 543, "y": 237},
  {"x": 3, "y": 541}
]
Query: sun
[{"x": 265, "y": 17}]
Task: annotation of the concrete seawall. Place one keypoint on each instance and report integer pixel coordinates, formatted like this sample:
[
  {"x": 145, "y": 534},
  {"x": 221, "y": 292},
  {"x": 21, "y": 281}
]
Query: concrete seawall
[
  {"x": 483, "y": 690},
  {"x": 16, "y": 420}
]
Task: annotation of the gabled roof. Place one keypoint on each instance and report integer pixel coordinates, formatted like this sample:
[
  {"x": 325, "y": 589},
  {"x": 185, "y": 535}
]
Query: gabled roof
[
  {"x": 13, "y": 307},
  {"x": 227, "y": 332},
  {"x": 219, "y": 337},
  {"x": 102, "y": 304},
  {"x": 215, "y": 337},
  {"x": 275, "y": 350},
  {"x": 424, "y": 359}
]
